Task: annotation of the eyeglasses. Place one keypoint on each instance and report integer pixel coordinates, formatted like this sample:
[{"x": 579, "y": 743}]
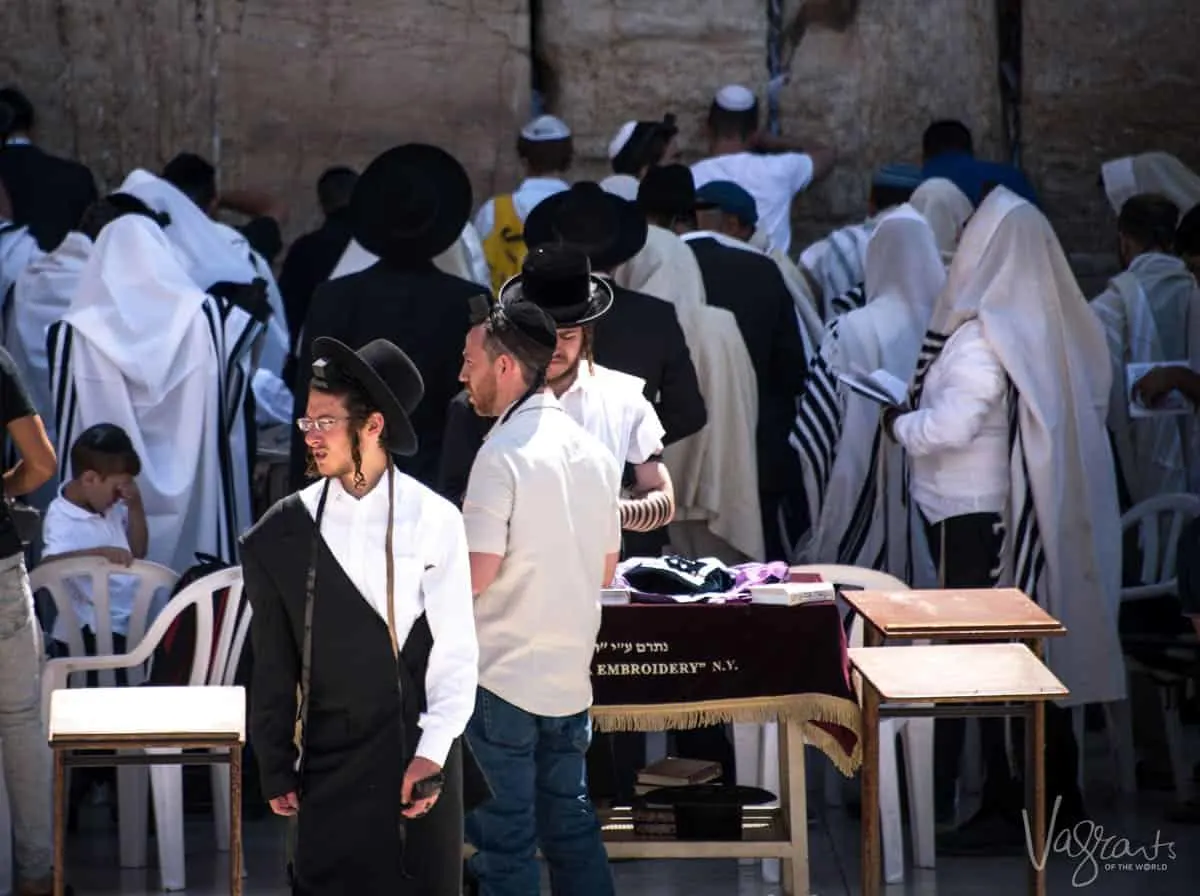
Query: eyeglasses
[{"x": 320, "y": 424}]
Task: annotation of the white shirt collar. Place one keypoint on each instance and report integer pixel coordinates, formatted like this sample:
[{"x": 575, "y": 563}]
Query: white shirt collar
[
  {"x": 544, "y": 183},
  {"x": 18, "y": 140}
]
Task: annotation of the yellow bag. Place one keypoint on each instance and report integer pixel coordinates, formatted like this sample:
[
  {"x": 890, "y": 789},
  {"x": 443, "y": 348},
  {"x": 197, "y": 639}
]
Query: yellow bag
[{"x": 504, "y": 248}]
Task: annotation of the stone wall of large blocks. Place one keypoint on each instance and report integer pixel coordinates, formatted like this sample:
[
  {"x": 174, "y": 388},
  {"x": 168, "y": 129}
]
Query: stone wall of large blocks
[{"x": 275, "y": 90}]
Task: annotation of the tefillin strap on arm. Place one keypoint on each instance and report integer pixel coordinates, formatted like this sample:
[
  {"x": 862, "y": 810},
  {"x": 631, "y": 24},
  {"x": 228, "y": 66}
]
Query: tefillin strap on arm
[{"x": 647, "y": 513}]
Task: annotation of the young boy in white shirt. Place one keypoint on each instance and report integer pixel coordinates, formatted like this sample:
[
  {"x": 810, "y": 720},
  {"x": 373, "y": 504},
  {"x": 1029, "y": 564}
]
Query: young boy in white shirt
[{"x": 99, "y": 513}]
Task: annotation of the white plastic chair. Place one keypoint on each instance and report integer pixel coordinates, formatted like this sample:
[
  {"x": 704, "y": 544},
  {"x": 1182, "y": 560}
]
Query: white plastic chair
[
  {"x": 918, "y": 751},
  {"x": 209, "y": 667},
  {"x": 51, "y": 576},
  {"x": 1160, "y": 522}
]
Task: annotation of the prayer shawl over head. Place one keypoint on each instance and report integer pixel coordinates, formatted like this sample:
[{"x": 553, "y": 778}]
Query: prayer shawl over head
[
  {"x": 714, "y": 471},
  {"x": 40, "y": 298},
  {"x": 836, "y": 266},
  {"x": 142, "y": 347},
  {"x": 1151, "y": 313},
  {"x": 837, "y": 432},
  {"x": 18, "y": 250},
  {"x": 1062, "y": 522},
  {"x": 1150, "y": 172},
  {"x": 947, "y": 209}
]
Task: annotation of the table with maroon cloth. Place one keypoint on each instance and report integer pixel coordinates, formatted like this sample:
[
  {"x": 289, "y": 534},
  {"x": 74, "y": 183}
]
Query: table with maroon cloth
[{"x": 676, "y": 666}]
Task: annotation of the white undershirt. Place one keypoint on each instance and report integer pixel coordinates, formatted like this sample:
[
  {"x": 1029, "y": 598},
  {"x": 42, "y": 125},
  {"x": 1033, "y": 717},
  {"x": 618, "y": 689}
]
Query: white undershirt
[
  {"x": 432, "y": 575},
  {"x": 957, "y": 440},
  {"x": 611, "y": 406},
  {"x": 773, "y": 180}
]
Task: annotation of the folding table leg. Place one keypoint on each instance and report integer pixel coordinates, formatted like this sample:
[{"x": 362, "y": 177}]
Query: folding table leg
[
  {"x": 1035, "y": 765},
  {"x": 794, "y": 800},
  {"x": 235, "y": 820},
  {"x": 871, "y": 847},
  {"x": 60, "y": 821}
]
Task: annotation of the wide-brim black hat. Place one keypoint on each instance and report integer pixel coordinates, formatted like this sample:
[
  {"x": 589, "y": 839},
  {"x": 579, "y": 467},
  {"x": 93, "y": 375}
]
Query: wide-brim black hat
[
  {"x": 411, "y": 203},
  {"x": 611, "y": 230},
  {"x": 385, "y": 373},
  {"x": 558, "y": 279}
]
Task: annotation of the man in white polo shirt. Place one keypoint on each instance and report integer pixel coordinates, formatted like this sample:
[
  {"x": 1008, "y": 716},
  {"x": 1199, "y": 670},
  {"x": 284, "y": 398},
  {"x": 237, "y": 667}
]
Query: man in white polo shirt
[
  {"x": 770, "y": 168},
  {"x": 543, "y": 531}
]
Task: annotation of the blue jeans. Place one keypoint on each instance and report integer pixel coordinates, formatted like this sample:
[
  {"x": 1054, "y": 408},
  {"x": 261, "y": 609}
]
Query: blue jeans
[{"x": 536, "y": 767}]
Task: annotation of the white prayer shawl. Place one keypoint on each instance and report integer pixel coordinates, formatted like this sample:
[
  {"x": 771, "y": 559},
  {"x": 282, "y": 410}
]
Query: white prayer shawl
[
  {"x": 1150, "y": 172},
  {"x": 808, "y": 313},
  {"x": 143, "y": 348},
  {"x": 947, "y": 209},
  {"x": 836, "y": 264},
  {"x": 837, "y": 432},
  {"x": 274, "y": 349},
  {"x": 464, "y": 259},
  {"x": 1151, "y": 313},
  {"x": 714, "y": 471},
  {"x": 18, "y": 250},
  {"x": 1062, "y": 523},
  {"x": 40, "y": 298}
]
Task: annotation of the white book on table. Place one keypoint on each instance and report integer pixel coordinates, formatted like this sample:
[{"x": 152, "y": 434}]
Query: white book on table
[{"x": 792, "y": 594}]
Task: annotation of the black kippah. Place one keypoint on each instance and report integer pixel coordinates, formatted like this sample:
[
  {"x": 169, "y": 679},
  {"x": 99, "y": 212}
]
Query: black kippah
[{"x": 525, "y": 331}]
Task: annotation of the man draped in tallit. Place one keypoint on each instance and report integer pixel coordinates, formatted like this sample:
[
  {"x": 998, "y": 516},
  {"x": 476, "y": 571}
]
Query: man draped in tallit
[
  {"x": 1151, "y": 314},
  {"x": 142, "y": 347},
  {"x": 1150, "y": 172},
  {"x": 947, "y": 209},
  {"x": 837, "y": 432},
  {"x": 714, "y": 471},
  {"x": 1011, "y": 469}
]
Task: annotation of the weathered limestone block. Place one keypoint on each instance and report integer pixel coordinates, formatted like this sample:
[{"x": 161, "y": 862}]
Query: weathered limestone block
[
  {"x": 871, "y": 91},
  {"x": 1104, "y": 79},
  {"x": 273, "y": 90},
  {"x": 616, "y": 60},
  {"x": 305, "y": 85}
]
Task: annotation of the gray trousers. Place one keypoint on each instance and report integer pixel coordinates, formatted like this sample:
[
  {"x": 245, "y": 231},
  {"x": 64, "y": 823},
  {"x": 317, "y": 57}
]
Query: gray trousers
[{"x": 26, "y": 754}]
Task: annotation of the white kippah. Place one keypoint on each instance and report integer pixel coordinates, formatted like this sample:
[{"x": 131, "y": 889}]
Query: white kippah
[
  {"x": 545, "y": 128},
  {"x": 735, "y": 98},
  {"x": 619, "y": 141}
]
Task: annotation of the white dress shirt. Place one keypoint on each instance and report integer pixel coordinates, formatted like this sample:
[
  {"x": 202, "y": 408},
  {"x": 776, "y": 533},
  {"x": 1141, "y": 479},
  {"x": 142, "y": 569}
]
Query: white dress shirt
[
  {"x": 543, "y": 494},
  {"x": 772, "y": 179},
  {"x": 531, "y": 191},
  {"x": 611, "y": 406},
  {"x": 432, "y": 576},
  {"x": 66, "y": 528},
  {"x": 957, "y": 440}
]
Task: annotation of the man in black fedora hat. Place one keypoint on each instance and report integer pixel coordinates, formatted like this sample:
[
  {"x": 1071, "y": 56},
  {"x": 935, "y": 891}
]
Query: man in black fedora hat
[
  {"x": 609, "y": 404},
  {"x": 379, "y": 652},
  {"x": 543, "y": 532},
  {"x": 409, "y": 205},
  {"x": 639, "y": 335}
]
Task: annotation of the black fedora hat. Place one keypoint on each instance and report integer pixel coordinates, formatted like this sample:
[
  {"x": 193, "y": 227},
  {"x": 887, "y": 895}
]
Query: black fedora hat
[
  {"x": 608, "y": 228},
  {"x": 411, "y": 203},
  {"x": 559, "y": 280},
  {"x": 385, "y": 373}
]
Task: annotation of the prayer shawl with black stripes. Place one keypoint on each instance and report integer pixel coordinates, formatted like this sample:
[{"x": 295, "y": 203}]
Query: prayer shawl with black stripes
[
  {"x": 837, "y": 432},
  {"x": 836, "y": 265},
  {"x": 1151, "y": 313},
  {"x": 1062, "y": 522},
  {"x": 143, "y": 348}
]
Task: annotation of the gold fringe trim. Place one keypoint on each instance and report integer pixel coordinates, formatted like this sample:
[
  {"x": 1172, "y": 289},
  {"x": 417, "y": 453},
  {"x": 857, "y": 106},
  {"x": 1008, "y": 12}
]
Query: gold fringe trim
[{"x": 805, "y": 709}]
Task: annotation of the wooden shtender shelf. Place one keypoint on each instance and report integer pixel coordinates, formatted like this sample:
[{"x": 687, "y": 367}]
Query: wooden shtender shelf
[{"x": 764, "y": 835}]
